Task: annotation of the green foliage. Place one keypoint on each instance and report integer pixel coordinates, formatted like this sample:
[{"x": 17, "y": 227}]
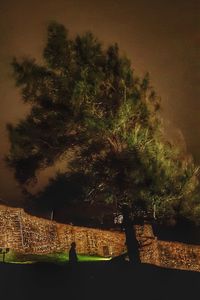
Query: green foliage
[{"x": 88, "y": 98}]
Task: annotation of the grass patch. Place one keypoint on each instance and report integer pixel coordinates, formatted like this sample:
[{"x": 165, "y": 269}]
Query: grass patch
[
  {"x": 92, "y": 258},
  {"x": 60, "y": 258}
]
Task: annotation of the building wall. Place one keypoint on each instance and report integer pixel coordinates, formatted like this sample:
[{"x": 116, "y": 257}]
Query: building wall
[
  {"x": 24, "y": 233},
  {"x": 91, "y": 241},
  {"x": 149, "y": 251},
  {"x": 27, "y": 234},
  {"x": 179, "y": 256}
]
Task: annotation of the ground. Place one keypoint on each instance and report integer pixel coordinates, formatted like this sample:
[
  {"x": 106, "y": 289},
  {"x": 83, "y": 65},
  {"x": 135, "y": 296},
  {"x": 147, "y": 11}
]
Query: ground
[
  {"x": 96, "y": 280},
  {"x": 57, "y": 258}
]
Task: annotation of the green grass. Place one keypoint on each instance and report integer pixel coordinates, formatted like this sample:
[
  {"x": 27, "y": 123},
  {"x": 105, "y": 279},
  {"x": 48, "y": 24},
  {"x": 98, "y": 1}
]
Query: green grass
[
  {"x": 60, "y": 258},
  {"x": 92, "y": 258}
]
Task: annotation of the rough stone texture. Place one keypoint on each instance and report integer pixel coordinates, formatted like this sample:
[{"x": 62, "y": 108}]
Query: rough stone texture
[
  {"x": 149, "y": 251},
  {"x": 91, "y": 241},
  {"x": 38, "y": 235},
  {"x": 27, "y": 234},
  {"x": 179, "y": 255},
  {"x": 10, "y": 229},
  {"x": 24, "y": 233}
]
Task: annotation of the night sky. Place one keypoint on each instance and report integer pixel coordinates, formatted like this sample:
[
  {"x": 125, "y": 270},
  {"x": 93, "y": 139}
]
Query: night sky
[{"x": 159, "y": 36}]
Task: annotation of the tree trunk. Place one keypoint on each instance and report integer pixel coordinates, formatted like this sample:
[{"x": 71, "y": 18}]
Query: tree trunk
[{"x": 131, "y": 241}]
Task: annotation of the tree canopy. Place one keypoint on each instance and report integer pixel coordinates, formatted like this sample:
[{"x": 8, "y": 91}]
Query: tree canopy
[{"x": 86, "y": 98}]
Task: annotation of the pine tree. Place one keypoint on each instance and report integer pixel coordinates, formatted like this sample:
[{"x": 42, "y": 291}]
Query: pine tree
[{"x": 86, "y": 98}]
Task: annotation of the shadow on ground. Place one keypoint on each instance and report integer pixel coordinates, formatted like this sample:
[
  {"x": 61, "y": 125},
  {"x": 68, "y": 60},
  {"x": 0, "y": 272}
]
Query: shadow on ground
[{"x": 102, "y": 280}]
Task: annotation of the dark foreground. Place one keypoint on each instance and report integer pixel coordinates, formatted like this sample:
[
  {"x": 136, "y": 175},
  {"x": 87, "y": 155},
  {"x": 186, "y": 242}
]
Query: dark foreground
[{"x": 103, "y": 280}]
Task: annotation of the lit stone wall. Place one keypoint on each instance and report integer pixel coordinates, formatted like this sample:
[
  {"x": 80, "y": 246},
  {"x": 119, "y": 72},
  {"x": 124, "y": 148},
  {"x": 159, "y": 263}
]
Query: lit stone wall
[
  {"x": 91, "y": 241},
  {"x": 27, "y": 234},
  {"x": 149, "y": 251},
  {"x": 179, "y": 255},
  {"x": 10, "y": 228},
  {"x": 39, "y": 236},
  {"x": 24, "y": 233}
]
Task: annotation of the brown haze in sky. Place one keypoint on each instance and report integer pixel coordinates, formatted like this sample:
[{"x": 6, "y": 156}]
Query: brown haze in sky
[{"x": 159, "y": 36}]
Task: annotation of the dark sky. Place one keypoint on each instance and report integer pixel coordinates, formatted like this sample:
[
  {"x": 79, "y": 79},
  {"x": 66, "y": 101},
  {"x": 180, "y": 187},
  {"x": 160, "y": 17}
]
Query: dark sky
[{"x": 159, "y": 36}]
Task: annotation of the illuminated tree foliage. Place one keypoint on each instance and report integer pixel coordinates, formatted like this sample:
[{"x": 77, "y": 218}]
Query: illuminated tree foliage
[{"x": 86, "y": 97}]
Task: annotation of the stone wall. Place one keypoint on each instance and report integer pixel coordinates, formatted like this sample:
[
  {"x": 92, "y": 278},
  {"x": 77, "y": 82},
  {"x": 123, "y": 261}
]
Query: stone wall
[
  {"x": 10, "y": 228},
  {"x": 24, "y": 233},
  {"x": 149, "y": 251},
  {"x": 38, "y": 235},
  {"x": 179, "y": 256},
  {"x": 27, "y": 234},
  {"x": 91, "y": 241}
]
